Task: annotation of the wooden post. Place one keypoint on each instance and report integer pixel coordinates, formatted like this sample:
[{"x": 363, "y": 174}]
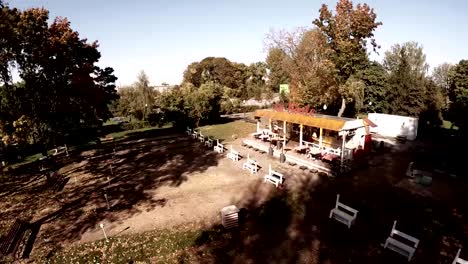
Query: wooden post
[
  {"x": 300, "y": 134},
  {"x": 343, "y": 146},
  {"x": 320, "y": 138},
  {"x": 284, "y": 134}
]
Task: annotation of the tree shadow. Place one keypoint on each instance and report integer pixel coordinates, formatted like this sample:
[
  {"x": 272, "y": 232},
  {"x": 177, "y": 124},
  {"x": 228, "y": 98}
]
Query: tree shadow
[
  {"x": 292, "y": 225},
  {"x": 107, "y": 185}
]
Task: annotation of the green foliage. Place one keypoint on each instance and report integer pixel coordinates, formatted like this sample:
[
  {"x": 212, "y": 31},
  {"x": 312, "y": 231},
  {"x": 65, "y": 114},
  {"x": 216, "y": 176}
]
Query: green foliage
[
  {"x": 62, "y": 89},
  {"x": 376, "y": 90},
  {"x": 459, "y": 95}
]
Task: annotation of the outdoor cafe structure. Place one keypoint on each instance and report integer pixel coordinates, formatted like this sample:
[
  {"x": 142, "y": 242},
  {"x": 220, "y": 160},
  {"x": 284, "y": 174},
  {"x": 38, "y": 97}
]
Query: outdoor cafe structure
[{"x": 320, "y": 136}]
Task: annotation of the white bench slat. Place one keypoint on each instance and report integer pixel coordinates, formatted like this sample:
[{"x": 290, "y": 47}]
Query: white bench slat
[
  {"x": 400, "y": 247},
  {"x": 347, "y": 216}
]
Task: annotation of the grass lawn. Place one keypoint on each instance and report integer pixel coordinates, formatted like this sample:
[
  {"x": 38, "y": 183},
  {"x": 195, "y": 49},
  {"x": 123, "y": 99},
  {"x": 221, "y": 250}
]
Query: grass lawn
[
  {"x": 448, "y": 125},
  {"x": 122, "y": 134},
  {"x": 158, "y": 246},
  {"x": 229, "y": 131}
]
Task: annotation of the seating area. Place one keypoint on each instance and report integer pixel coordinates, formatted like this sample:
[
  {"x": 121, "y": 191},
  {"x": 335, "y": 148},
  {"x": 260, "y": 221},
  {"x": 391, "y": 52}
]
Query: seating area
[
  {"x": 250, "y": 165},
  {"x": 9, "y": 243},
  {"x": 406, "y": 246},
  {"x": 219, "y": 147},
  {"x": 233, "y": 155},
  {"x": 343, "y": 213},
  {"x": 274, "y": 177}
]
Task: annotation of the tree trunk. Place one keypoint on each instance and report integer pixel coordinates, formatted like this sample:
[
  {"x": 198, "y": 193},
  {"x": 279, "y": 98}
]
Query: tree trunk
[{"x": 342, "y": 108}]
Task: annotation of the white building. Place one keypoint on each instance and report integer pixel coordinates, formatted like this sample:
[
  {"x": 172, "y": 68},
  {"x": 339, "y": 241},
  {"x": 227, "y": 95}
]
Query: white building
[{"x": 394, "y": 125}]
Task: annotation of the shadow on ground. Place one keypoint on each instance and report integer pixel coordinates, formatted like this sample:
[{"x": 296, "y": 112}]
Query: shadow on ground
[
  {"x": 292, "y": 226},
  {"x": 127, "y": 176}
]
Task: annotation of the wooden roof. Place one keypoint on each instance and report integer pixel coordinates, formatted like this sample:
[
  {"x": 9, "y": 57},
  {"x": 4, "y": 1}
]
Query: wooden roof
[{"x": 333, "y": 123}]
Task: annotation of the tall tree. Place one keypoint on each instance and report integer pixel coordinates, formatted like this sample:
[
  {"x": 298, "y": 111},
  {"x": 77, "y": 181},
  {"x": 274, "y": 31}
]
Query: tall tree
[
  {"x": 278, "y": 74},
  {"x": 348, "y": 32},
  {"x": 62, "y": 87},
  {"x": 375, "y": 79},
  {"x": 459, "y": 95},
  {"x": 442, "y": 77},
  {"x": 407, "y": 69}
]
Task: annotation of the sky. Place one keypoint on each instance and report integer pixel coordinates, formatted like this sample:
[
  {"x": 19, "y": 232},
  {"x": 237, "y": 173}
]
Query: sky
[{"x": 162, "y": 37}]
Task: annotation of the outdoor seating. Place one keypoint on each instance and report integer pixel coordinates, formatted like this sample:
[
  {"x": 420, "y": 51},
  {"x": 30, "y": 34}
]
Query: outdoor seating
[
  {"x": 459, "y": 260},
  {"x": 250, "y": 165},
  {"x": 201, "y": 137},
  {"x": 56, "y": 180},
  {"x": 189, "y": 131},
  {"x": 273, "y": 177},
  {"x": 343, "y": 213},
  {"x": 60, "y": 150},
  {"x": 219, "y": 147},
  {"x": 9, "y": 243},
  {"x": 406, "y": 248},
  {"x": 233, "y": 155},
  {"x": 209, "y": 142},
  {"x": 194, "y": 134}
]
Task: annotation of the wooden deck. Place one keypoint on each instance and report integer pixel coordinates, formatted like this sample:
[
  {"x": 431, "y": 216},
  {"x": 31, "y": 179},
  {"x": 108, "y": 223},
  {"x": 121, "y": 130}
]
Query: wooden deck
[{"x": 291, "y": 156}]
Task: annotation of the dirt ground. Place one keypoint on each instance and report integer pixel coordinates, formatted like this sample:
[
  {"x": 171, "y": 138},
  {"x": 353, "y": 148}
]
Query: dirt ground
[{"x": 169, "y": 181}]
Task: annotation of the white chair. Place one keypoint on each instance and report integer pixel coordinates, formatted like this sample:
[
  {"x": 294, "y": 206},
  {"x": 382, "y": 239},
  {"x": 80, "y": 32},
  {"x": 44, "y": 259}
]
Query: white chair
[
  {"x": 273, "y": 177},
  {"x": 233, "y": 155},
  {"x": 403, "y": 248},
  {"x": 459, "y": 260},
  {"x": 343, "y": 213},
  {"x": 219, "y": 147},
  {"x": 209, "y": 142},
  {"x": 251, "y": 165}
]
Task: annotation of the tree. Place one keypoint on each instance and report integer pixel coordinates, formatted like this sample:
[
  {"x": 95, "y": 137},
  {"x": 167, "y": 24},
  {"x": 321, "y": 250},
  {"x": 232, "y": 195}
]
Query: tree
[
  {"x": 442, "y": 77},
  {"x": 459, "y": 95},
  {"x": 278, "y": 73},
  {"x": 347, "y": 33},
  {"x": 375, "y": 80},
  {"x": 62, "y": 89},
  {"x": 407, "y": 69}
]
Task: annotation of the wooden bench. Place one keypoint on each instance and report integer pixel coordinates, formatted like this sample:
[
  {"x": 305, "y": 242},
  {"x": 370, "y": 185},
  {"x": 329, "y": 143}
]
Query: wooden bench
[
  {"x": 343, "y": 213},
  {"x": 233, "y": 155},
  {"x": 250, "y": 165},
  {"x": 9, "y": 243},
  {"x": 209, "y": 142},
  {"x": 273, "y": 177},
  {"x": 219, "y": 147},
  {"x": 404, "y": 248},
  {"x": 56, "y": 181},
  {"x": 459, "y": 260}
]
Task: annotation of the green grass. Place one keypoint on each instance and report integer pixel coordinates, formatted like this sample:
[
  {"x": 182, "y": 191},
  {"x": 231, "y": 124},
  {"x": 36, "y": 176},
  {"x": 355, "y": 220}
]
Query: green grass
[
  {"x": 158, "y": 246},
  {"x": 122, "y": 134},
  {"x": 25, "y": 161},
  {"x": 448, "y": 125},
  {"x": 229, "y": 131}
]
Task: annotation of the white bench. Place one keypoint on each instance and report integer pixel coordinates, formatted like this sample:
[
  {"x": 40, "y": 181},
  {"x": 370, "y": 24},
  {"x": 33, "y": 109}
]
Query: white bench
[
  {"x": 219, "y": 147},
  {"x": 233, "y": 155},
  {"x": 273, "y": 177},
  {"x": 201, "y": 137},
  {"x": 194, "y": 134},
  {"x": 209, "y": 142},
  {"x": 250, "y": 164},
  {"x": 60, "y": 150},
  {"x": 343, "y": 213},
  {"x": 403, "y": 248},
  {"x": 459, "y": 260},
  {"x": 188, "y": 131}
]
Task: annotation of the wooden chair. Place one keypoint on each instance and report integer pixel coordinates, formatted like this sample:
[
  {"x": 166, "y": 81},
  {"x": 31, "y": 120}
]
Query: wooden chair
[
  {"x": 250, "y": 165},
  {"x": 343, "y": 213},
  {"x": 219, "y": 147},
  {"x": 273, "y": 177},
  {"x": 233, "y": 155},
  {"x": 403, "y": 248},
  {"x": 459, "y": 260}
]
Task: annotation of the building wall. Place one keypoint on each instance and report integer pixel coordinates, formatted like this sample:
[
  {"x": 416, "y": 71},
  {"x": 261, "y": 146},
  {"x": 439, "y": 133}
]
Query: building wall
[{"x": 394, "y": 125}]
